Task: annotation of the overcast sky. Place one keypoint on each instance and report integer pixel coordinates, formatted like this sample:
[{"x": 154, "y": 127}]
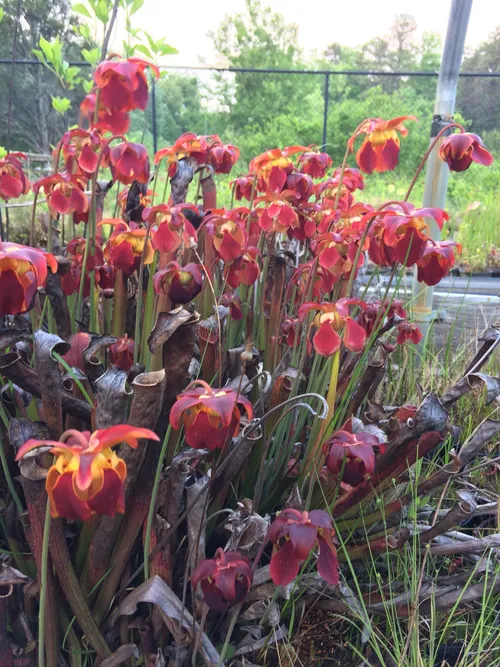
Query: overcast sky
[{"x": 185, "y": 23}]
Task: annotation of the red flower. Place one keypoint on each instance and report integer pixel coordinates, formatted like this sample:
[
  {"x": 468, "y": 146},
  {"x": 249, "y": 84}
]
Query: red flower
[
  {"x": 352, "y": 179},
  {"x": 232, "y": 302},
  {"x": 125, "y": 246},
  {"x": 330, "y": 319},
  {"x": 224, "y": 580},
  {"x": 242, "y": 187},
  {"x": 129, "y": 162},
  {"x": 187, "y": 145},
  {"x": 211, "y": 417},
  {"x": 123, "y": 85},
  {"x": 170, "y": 227},
  {"x": 408, "y": 332},
  {"x": 222, "y": 157},
  {"x": 436, "y": 261},
  {"x": 289, "y": 330},
  {"x": 374, "y": 310},
  {"x": 13, "y": 181},
  {"x": 87, "y": 477},
  {"x": 462, "y": 149},
  {"x": 278, "y": 217},
  {"x": 244, "y": 269},
  {"x": 22, "y": 271},
  {"x": 301, "y": 185},
  {"x": 65, "y": 193},
  {"x": 294, "y": 535},
  {"x": 401, "y": 235},
  {"x": 351, "y": 454},
  {"x": 114, "y": 121},
  {"x": 181, "y": 283},
  {"x": 380, "y": 148},
  {"x": 80, "y": 150},
  {"x": 315, "y": 164},
  {"x": 121, "y": 353},
  {"x": 75, "y": 250},
  {"x": 228, "y": 233},
  {"x": 277, "y": 157}
]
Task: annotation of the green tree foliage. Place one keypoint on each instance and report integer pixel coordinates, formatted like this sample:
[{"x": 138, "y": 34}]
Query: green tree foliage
[
  {"x": 479, "y": 98},
  {"x": 35, "y": 123}
]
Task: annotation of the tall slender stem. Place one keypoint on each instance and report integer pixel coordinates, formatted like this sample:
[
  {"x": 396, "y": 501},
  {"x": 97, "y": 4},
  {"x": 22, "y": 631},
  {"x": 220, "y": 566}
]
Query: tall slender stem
[
  {"x": 152, "y": 503},
  {"x": 43, "y": 586}
]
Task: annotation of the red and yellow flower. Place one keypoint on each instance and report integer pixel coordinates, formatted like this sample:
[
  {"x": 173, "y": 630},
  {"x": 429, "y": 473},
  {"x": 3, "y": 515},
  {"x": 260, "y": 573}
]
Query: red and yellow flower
[
  {"x": 294, "y": 535},
  {"x": 460, "y": 150},
  {"x": 243, "y": 187},
  {"x": 180, "y": 283},
  {"x": 380, "y": 148},
  {"x": 224, "y": 580},
  {"x": 228, "y": 233},
  {"x": 87, "y": 476},
  {"x": 65, "y": 193},
  {"x": 400, "y": 233},
  {"x": 13, "y": 180},
  {"x": 277, "y": 157},
  {"x": 125, "y": 246},
  {"x": 187, "y": 145},
  {"x": 211, "y": 417},
  {"x": 332, "y": 318},
  {"x": 22, "y": 271},
  {"x": 170, "y": 227}
]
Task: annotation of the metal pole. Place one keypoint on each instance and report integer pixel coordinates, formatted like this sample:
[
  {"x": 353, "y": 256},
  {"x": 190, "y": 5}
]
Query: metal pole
[
  {"x": 436, "y": 178},
  {"x": 153, "y": 115},
  {"x": 325, "y": 108}
]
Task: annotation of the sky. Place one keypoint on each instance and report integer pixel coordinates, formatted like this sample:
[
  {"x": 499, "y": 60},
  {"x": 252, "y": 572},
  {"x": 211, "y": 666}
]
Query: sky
[{"x": 185, "y": 23}]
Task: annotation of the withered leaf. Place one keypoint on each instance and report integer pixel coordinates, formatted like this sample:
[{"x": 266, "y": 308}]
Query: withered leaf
[{"x": 156, "y": 591}]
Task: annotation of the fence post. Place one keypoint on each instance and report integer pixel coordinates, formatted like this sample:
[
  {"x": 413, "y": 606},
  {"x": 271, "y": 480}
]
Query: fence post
[
  {"x": 436, "y": 178},
  {"x": 153, "y": 115},
  {"x": 325, "y": 107}
]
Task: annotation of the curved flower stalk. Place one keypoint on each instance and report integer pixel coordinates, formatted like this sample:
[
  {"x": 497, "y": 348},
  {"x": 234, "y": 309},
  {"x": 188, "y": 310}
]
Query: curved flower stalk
[{"x": 87, "y": 477}]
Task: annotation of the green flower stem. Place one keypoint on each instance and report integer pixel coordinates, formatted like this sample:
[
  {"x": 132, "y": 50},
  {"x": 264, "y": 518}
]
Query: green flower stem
[
  {"x": 43, "y": 586},
  {"x": 154, "y": 493}
]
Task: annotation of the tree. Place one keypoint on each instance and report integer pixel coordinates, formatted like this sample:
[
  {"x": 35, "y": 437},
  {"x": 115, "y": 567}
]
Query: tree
[
  {"x": 261, "y": 106},
  {"x": 479, "y": 98},
  {"x": 34, "y": 124}
]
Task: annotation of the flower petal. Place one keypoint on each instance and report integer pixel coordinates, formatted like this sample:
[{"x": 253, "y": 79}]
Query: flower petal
[{"x": 284, "y": 565}]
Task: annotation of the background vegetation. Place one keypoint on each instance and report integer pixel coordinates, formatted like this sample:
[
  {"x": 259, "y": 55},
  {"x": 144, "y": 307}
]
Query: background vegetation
[{"x": 261, "y": 111}]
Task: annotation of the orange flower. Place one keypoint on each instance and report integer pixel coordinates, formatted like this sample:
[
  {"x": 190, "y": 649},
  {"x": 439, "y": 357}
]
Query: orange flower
[
  {"x": 380, "y": 148},
  {"x": 22, "y": 271},
  {"x": 87, "y": 476}
]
